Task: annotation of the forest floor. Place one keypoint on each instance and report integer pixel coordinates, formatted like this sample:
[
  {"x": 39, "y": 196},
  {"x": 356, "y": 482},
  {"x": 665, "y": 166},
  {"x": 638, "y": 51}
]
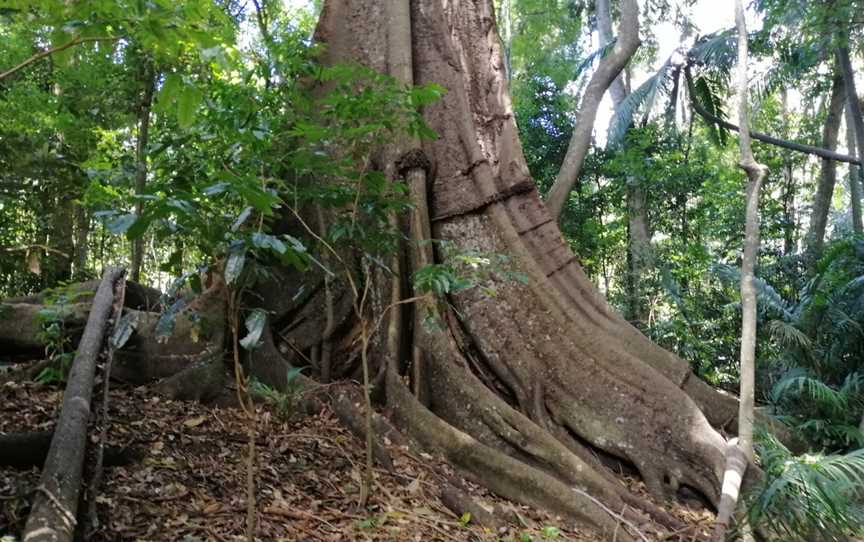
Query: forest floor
[{"x": 188, "y": 479}]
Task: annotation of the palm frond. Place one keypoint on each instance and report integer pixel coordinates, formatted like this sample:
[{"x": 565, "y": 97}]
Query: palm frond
[
  {"x": 592, "y": 57},
  {"x": 800, "y": 383},
  {"x": 789, "y": 336},
  {"x": 809, "y": 495},
  {"x": 706, "y": 91},
  {"x": 769, "y": 298},
  {"x": 718, "y": 50},
  {"x": 642, "y": 99}
]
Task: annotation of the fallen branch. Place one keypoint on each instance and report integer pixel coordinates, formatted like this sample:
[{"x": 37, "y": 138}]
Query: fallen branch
[
  {"x": 113, "y": 344},
  {"x": 52, "y": 517}
]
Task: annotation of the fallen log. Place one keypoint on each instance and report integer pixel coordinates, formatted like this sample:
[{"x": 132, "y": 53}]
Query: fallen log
[
  {"x": 138, "y": 296},
  {"x": 55, "y": 504}
]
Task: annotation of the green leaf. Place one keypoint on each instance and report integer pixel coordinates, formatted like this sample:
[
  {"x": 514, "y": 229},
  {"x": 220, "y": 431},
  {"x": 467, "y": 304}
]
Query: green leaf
[
  {"x": 292, "y": 374},
  {"x": 169, "y": 92},
  {"x": 214, "y": 189},
  {"x": 168, "y": 319},
  {"x": 121, "y": 224},
  {"x": 268, "y": 242},
  {"x": 124, "y": 329},
  {"x": 234, "y": 264},
  {"x": 241, "y": 218},
  {"x": 187, "y": 104},
  {"x": 254, "y": 328}
]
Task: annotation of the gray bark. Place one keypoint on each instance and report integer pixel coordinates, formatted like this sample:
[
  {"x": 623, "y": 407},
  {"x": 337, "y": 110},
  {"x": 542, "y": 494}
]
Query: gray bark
[
  {"x": 52, "y": 518},
  {"x": 148, "y": 79},
  {"x": 639, "y": 233},
  {"x": 609, "y": 68},
  {"x": 739, "y": 454},
  {"x": 828, "y": 176},
  {"x": 855, "y": 172}
]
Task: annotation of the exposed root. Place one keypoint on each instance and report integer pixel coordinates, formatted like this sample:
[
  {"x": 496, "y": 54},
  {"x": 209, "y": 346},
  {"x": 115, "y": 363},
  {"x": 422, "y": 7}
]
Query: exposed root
[{"x": 500, "y": 472}]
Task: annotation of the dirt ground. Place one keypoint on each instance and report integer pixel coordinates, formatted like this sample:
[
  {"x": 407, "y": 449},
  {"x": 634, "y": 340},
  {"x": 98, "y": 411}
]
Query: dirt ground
[{"x": 187, "y": 480}]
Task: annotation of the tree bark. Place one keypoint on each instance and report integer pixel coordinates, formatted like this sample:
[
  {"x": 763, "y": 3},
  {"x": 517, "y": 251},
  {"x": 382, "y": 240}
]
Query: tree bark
[
  {"x": 740, "y": 454},
  {"x": 82, "y": 246},
  {"x": 790, "y": 225},
  {"x": 609, "y": 68},
  {"x": 828, "y": 176},
  {"x": 148, "y": 79},
  {"x": 52, "y": 517},
  {"x": 522, "y": 385},
  {"x": 59, "y": 266},
  {"x": 855, "y": 172}
]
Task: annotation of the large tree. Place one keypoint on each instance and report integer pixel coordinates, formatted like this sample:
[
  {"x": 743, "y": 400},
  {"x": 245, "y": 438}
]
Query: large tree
[
  {"x": 522, "y": 388},
  {"x": 524, "y": 383}
]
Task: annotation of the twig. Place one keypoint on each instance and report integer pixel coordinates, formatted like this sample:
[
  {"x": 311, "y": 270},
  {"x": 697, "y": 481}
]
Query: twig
[
  {"x": 31, "y": 247},
  {"x": 619, "y": 517},
  {"x": 39, "y": 56}
]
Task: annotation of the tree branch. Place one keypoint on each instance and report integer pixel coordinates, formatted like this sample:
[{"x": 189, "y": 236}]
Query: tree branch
[
  {"x": 771, "y": 140},
  {"x": 610, "y": 67},
  {"x": 39, "y": 56}
]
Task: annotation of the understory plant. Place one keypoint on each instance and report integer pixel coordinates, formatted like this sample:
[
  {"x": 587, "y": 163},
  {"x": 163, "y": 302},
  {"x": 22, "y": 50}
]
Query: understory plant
[{"x": 807, "y": 497}]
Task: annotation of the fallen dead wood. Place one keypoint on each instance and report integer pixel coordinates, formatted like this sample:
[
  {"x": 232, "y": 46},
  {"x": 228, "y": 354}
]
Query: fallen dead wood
[
  {"x": 55, "y": 504},
  {"x": 137, "y": 296}
]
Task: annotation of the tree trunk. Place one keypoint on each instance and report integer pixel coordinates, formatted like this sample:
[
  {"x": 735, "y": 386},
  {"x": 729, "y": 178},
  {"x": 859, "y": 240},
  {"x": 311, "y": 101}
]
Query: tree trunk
[
  {"x": 528, "y": 383},
  {"x": 524, "y": 388},
  {"x": 609, "y": 68},
  {"x": 828, "y": 177},
  {"x": 845, "y": 64},
  {"x": 740, "y": 453},
  {"x": 148, "y": 79},
  {"x": 59, "y": 266},
  {"x": 639, "y": 257},
  {"x": 82, "y": 247},
  {"x": 855, "y": 172}
]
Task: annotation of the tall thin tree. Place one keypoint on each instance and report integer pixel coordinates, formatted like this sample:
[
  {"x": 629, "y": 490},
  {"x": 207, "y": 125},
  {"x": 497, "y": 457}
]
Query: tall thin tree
[{"x": 739, "y": 453}]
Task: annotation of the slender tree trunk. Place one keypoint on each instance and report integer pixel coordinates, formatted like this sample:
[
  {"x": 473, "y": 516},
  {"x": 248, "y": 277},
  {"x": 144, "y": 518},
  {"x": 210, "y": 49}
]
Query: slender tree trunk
[
  {"x": 618, "y": 89},
  {"x": 854, "y": 114},
  {"x": 148, "y": 79},
  {"x": 855, "y": 172},
  {"x": 639, "y": 257},
  {"x": 828, "y": 177},
  {"x": 739, "y": 454},
  {"x": 790, "y": 225},
  {"x": 59, "y": 266},
  {"x": 609, "y": 68},
  {"x": 82, "y": 246}
]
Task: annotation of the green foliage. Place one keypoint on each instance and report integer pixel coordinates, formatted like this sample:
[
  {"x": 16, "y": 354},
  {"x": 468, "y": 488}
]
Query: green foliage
[
  {"x": 55, "y": 334},
  {"x": 809, "y": 497},
  {"x": 284, "y": 402}
]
